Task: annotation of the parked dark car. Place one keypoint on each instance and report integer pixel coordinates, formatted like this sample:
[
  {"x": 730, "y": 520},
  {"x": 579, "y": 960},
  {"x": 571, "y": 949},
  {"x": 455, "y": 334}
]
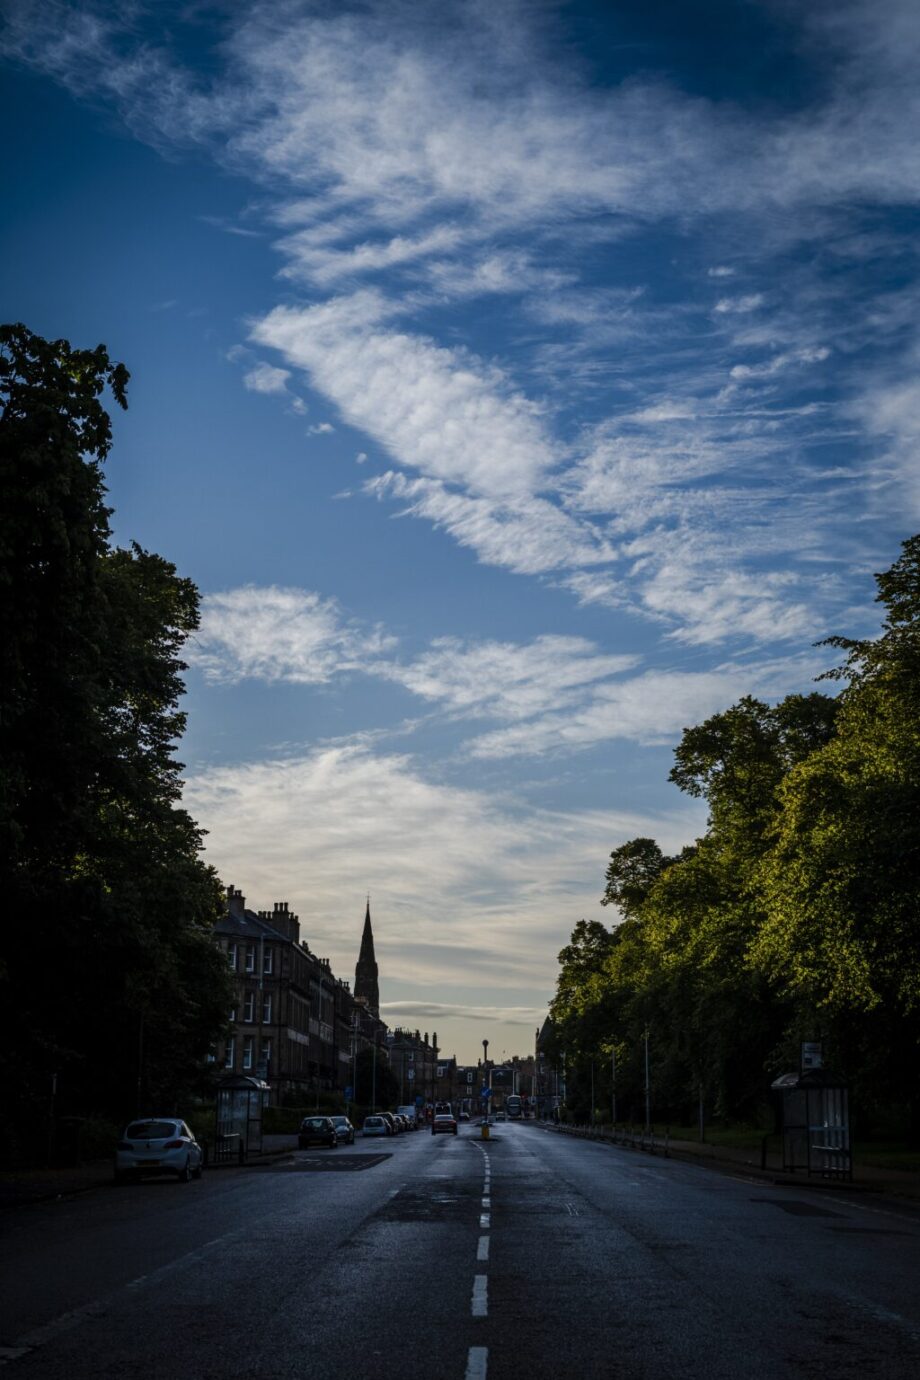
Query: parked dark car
[
  {"x": 444, "y": 1123},
  {"x": 390, "y": 1120},
  {"x": 317, "y": 1130},
  {"x": 344, "y": 1129}
]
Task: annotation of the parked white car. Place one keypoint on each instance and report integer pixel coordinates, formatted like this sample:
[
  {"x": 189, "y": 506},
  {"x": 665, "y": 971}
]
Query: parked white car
[
  {"x": 158, "y": 1145},
  {"x": 374, "y": 1126}
]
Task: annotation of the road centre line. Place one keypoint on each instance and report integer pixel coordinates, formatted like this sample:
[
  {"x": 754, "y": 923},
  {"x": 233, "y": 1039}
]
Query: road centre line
[
  {"x": 476, "y": 1363},
  {"x": 482, "y": 1250},
  {"x": 484, "y": 1220},
  {"x": 487, "y": 1202},
  {"x": 480, "y": 1303}
]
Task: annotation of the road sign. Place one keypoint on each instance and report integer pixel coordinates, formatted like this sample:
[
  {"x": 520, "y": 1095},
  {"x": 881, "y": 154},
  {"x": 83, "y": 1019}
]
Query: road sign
[
  {"x": 811, "y": 1055},
  {"x": 485, "y": 1092},
  {"x": 349, "y": 1094}
]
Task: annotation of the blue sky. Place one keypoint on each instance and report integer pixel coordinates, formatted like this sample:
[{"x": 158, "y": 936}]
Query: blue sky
[{"x": 519, "y": 382}]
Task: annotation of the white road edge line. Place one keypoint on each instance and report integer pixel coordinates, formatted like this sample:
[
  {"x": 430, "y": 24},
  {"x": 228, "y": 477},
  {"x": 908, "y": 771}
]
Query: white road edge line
[
  {"x": 480, "y": 1296},
  {"x": 476, "y": 1363},
  {"x": 482, "y": 1250}
]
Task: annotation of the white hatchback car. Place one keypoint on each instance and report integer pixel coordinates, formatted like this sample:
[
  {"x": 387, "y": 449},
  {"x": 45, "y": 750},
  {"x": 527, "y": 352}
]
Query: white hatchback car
[{"x": 158, "y": 1145}]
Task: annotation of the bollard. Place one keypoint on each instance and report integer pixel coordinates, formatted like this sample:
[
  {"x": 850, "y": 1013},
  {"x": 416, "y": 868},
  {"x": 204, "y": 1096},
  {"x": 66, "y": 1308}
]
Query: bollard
[{"x": 485, "y": 1130}]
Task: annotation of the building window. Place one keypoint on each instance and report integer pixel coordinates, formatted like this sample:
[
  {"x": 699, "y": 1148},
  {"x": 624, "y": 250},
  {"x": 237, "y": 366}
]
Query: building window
[
  {"x": 233, "y": 1015},
  {"x": 231, "y": 956},
  {"x": 248, "y": 1044},
  {"x": 267, "y": 1055},
  {"x": 231, "y": 1052},
  {"x": 268, "y": 961},
  {"x": 267, "y": 1008},
  {"x": 249, "y": 1007},
  {"x": 250, "y": 958},
  {"x": 411, "y": 1056}
]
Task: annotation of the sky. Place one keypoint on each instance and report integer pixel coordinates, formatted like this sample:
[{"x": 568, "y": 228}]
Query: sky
[{"x": 520, "y": 383}]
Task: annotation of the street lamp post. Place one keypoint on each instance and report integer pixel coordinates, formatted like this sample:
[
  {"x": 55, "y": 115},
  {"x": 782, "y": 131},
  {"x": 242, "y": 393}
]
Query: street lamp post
[{"x": 648, "y": 1093}]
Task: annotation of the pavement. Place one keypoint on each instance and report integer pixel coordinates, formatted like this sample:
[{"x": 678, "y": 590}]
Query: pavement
[
  {"x": 895, "y": 1183},
  {"x": 20, "y": 1186}
]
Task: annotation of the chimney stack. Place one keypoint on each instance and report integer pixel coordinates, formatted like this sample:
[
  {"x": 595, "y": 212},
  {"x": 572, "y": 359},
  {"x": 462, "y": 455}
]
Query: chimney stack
[{"x": 236, "y": 903}]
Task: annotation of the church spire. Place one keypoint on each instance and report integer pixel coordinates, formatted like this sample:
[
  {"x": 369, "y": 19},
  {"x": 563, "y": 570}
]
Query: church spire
[{"x": 366, "y": 969}]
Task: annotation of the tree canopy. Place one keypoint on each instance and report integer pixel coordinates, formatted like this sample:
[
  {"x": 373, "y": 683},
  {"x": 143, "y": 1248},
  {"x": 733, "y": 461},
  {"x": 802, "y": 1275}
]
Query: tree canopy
[
  {"x": 796, "y": 914},
  {"x": 110, "y": 980}
]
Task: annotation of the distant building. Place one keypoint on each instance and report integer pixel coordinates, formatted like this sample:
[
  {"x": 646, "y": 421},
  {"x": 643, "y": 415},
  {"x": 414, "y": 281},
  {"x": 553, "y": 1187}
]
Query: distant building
[
  {"x": 294, "y": 1023},
  {"x": 414, "y": 1061}
]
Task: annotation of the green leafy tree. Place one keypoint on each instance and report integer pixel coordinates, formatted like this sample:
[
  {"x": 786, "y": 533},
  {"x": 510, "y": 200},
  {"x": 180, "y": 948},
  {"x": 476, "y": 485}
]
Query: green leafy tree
[
  {"x": 110, "y": 982},
  {"x": 841, "y": 882},
  {"x": 377, "y": 1089}
]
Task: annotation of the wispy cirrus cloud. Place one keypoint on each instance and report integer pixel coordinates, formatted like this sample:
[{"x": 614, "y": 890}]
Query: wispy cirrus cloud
[
  {"x": 266, "y": 378},
  {"x": 440, "y": 411},
  {"x": 651, "y": 708},
  {"x": 507, "y": 680},
  {"x": 276, "y": 634},
  {"x": 443, "y": 162}
]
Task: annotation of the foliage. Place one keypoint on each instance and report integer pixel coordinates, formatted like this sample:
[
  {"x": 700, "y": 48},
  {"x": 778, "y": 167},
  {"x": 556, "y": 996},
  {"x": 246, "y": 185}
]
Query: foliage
[
  {"x": 377, "y": 1090},
  {"x": 111, "y": 984},
  {"x": 796, "y": 915}
]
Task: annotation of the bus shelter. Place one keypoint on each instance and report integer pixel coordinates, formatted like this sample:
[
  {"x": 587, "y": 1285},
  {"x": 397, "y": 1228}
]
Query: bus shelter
[
  {"x": 815, "y": 1123},
  {"x": 238, "y": 1117}
]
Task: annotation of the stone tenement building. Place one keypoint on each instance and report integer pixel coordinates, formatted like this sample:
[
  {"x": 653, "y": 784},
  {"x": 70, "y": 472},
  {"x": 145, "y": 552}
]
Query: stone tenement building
[
  {"x": 294, "y": 1024},
  {"x": 414, "y": 1063}
]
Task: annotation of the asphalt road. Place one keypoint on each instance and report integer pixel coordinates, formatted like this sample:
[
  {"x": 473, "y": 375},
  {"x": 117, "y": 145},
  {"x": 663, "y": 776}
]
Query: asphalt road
[{"x": 532, "y": 1255}]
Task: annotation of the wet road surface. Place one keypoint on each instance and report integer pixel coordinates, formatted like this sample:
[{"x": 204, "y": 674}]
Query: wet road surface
[{"x": 532, "y": 1255}]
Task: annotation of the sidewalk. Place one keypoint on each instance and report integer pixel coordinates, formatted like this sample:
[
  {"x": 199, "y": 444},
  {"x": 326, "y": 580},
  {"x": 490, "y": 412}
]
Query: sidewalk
[
  {"x": 21, "y": 1186},
  {"x": 896, "y": 1183}
]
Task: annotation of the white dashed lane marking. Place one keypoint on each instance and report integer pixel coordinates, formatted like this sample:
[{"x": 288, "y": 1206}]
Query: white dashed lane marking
[
  {"x": 482, "y": 1250},
  {"x": 484, "y": 1221},
  {"x": 480, "y": 1296},
  {"x": 476, "y": 1363}
]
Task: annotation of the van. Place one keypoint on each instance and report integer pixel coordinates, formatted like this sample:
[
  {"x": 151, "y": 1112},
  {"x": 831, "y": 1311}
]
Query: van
[{"x": 411, "y": 1115}]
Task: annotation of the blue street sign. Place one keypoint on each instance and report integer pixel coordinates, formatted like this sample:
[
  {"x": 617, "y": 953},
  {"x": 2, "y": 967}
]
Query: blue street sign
[
  {"x": 349, "y": 1094},
  {"x": 485, "y": 1092},
  {"x": 419, "y": 1100}
]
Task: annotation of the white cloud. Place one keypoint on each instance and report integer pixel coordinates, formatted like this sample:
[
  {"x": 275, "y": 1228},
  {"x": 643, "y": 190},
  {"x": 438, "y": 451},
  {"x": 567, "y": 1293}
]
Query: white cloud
[
  {"x": 266, "y": 378},
  {"x": 530, "y": 536},
  {"x": 810, "y": 355},
  {"x": 739, "y": 305},
  {"x": 469, "y": 157},
  {"x": 458, "y": 878},
  {"x": 274, "y": 634},
  {"x": 403, "y": 1012},
  {"x": 504, "y": 679},
  {"x": 652, "y": 708},
  {"x": 440, "y": 411},
  {"x": 321, "y": 429}
]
